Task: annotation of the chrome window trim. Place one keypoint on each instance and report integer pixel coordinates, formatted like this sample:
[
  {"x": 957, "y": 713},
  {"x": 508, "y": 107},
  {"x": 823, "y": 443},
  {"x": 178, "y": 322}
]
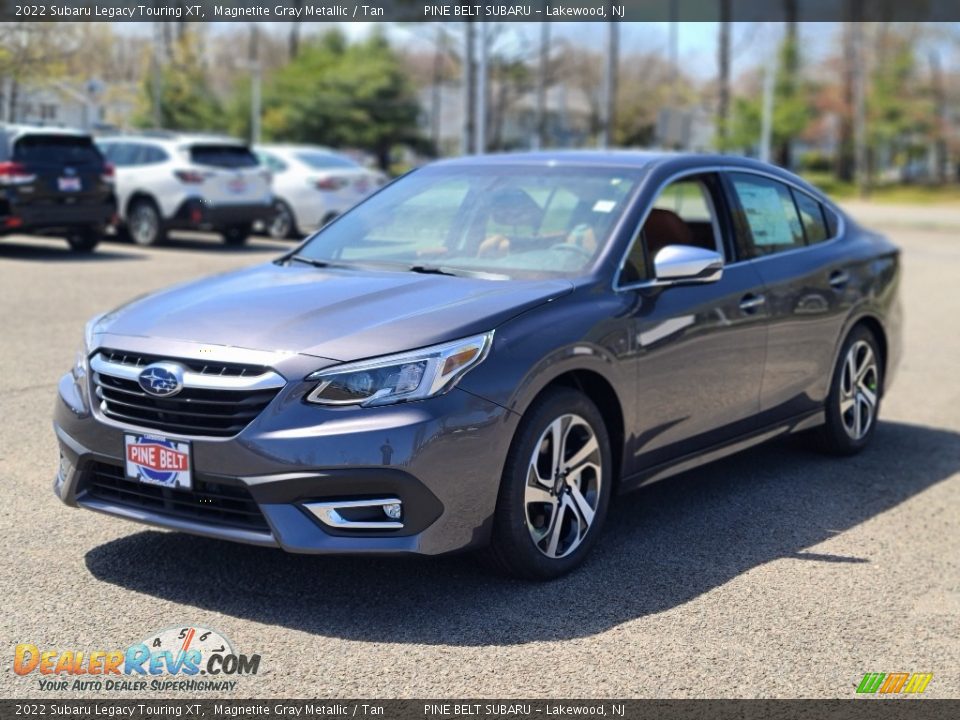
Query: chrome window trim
[
  {"x": 819, "y": 197},
  {"x": 267, "y": 381}
]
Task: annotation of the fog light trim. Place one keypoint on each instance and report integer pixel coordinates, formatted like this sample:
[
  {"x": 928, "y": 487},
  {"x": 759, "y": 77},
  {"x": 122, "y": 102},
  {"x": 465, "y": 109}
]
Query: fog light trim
[{"x": 328, "y": 513}]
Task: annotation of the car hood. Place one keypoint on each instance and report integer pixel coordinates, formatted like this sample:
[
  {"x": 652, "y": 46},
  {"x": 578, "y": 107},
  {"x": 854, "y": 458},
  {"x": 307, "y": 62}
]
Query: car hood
[{"x": 335, "y": 313}]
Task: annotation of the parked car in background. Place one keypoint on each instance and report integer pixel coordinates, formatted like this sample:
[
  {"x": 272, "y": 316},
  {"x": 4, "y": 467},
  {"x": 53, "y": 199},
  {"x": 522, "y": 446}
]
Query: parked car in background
[
  {"x": 486, "y": 354},
  {"x": 312, "y": 186},
  {"x": 54, "y": 182},
  {"x": 179, "y": 182}
]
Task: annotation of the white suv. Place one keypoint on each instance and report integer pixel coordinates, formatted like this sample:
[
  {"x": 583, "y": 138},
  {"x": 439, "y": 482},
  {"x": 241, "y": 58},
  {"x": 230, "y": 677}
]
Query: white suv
[{"x": 179, "y": 182}]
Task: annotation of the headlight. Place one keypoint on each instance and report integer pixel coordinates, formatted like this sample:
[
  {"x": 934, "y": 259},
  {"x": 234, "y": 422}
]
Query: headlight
[{"x": 413, "y": 375}]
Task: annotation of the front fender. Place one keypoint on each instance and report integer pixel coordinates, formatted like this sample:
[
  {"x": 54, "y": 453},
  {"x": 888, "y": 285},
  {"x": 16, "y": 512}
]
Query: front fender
[{"x": 584, "y": 331}]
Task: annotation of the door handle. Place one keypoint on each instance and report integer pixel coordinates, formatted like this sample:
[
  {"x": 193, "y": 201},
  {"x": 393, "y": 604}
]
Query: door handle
[
  {"x": 839, "y": 278},
  {"x": 750, "y": 302}
]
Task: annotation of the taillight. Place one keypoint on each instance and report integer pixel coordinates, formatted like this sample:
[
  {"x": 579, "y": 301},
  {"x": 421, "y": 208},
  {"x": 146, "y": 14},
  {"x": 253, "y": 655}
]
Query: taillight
[
  {"x": 330, "y": 183},
  {"x": 108, "y": 174},
  {"x": 190, "y": 177},
  {"x": 13, "y": 173}
]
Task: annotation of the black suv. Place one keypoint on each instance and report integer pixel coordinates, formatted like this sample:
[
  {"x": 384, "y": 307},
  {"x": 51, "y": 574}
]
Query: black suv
[{"x": 54, "y": 182}]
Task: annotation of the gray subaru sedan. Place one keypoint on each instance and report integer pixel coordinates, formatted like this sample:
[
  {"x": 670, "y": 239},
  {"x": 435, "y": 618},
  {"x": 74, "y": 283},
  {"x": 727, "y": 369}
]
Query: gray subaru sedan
[{"x": 484, "y": 355}]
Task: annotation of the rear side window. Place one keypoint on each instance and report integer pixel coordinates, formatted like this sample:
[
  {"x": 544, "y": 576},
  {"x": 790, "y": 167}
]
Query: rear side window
[
  {"x": 811, "y": 216},
  {"x": 152, "y": 155},
  {"x": 222, "y": 156},
  {"x": 56, "y": 150},
  {"x": 322, "y": 161},
  {"x": 768, "y": 213},
  {"x": 274, "y": 163}
]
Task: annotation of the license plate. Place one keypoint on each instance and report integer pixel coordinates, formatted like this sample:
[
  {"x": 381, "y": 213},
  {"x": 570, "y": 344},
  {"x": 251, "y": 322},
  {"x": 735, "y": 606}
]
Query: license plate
[
  {"x": 155, "y": 460},
  {"x": 68, "y": 184}
]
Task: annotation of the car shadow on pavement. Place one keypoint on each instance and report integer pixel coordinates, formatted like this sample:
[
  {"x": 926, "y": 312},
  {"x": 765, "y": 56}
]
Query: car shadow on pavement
[
  {"x": 211, "y": 242},
  {"x": 58, "y": 251},
  {"x": 664, "y": 546}
]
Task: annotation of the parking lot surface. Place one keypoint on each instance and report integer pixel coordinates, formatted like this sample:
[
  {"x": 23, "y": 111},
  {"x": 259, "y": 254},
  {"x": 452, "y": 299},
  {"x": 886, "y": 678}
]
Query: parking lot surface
[{"x": 777, "y": 572}]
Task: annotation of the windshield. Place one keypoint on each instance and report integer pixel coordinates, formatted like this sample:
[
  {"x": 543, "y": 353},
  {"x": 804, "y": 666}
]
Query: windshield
[
  {"x": 518, "y": 221},
  {"x": 322, "y": 160}
]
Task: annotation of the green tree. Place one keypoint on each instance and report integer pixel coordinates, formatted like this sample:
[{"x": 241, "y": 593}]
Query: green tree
[
  {"x": 900, "y": 106},
  {"x": 792, "y": 110},
  {"x": 186, "y": 99},
  {"x": 339, "y": 94}
]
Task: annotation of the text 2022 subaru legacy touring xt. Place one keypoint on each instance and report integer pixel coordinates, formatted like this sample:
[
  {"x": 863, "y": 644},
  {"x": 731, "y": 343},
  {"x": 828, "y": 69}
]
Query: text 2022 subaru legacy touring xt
[{"x": 484, "y": 354}]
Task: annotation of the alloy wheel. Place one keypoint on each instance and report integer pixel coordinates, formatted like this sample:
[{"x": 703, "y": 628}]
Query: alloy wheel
[
  {"x": 143, "y": 225},
  {"x": 282, "y": 223},
  {"x": 859, "y": 386},
  {"x": 563, "y": 486}
]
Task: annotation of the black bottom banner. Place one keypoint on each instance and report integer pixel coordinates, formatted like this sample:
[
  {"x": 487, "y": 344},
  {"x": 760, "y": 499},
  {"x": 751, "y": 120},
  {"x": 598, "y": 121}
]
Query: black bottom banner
[{"x": 855, "y": 709}]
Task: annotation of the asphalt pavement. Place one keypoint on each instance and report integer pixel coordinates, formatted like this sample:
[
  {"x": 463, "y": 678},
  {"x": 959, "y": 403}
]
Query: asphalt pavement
[{"x": 775, "y": 573}]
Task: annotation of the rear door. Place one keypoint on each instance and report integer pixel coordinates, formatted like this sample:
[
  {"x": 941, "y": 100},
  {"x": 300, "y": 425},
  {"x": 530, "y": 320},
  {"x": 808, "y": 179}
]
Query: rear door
[
  {"x": 66, "y": 169},
  {"x": 791, "y": 239},
  {"x": 233, "y": 174}
]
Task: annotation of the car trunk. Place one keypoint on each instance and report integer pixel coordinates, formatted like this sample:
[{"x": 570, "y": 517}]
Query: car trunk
[
  {"x": 50, "y": 169},
  {"x": 233, "y": 174}
]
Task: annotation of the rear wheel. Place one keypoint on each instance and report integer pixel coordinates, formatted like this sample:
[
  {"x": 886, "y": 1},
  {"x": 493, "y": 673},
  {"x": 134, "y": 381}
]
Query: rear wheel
[
  {"x": 855, "y": 391},
  {"x": 144, "y": 224},
  {"x": 555, "y": 489},
  {"x": 83, "y": 240},
  {"x": 237, "y": 235},
  {"x": 284, "y": 224}
]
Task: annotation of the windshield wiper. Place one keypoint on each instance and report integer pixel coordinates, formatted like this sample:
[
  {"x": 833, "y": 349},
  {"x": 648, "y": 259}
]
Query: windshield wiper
[
  {"x": 430, "y": 270},
  {"x": 314, "y": 262},
  {"x": 458, "y": 272}
]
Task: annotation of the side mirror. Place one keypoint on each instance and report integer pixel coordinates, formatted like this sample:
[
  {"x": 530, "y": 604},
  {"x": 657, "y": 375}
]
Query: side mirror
[{"x": 686, "y": 263}]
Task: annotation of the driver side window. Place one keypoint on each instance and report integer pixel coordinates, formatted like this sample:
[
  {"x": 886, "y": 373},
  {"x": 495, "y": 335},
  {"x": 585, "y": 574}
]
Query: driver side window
[{"x": 684, "y": 213}]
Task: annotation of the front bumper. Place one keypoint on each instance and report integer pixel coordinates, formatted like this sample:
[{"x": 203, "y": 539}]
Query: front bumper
[{"x": 442, "y": 458}]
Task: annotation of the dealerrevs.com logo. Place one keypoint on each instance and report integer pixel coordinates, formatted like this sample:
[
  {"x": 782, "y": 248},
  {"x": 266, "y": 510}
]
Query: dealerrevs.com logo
[{"x": 192, "y": 658}]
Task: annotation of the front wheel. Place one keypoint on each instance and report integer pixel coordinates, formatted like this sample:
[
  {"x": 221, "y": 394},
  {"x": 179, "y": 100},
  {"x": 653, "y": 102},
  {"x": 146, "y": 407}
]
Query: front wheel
[
  {"x": 855, "y": 391},
  {"x": 555, "y": 489},
  {"x": 283, "y": 226},
  {"x": 144, "y": 224}
]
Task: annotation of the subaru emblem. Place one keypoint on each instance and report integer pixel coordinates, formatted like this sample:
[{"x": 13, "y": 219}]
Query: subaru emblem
[{"x": 162, "y": 379}]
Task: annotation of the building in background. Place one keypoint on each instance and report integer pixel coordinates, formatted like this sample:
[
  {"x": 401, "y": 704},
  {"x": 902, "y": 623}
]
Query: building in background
[{"x": 91, "y": 107}]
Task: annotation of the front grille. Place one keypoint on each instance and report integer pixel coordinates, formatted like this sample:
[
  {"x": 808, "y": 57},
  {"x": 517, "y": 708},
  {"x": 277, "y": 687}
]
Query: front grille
[
  {"x": 208, "y": 502},
  {"x": 193, "y": 411},
  {"x": 220, "y": 369}
]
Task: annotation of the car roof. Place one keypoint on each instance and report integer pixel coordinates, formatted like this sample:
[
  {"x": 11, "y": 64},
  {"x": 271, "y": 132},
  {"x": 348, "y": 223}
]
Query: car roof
[
  {"x": 645, "y": 160},
  {"x": 292, "y": 147},
  {"x": 173, "y": 139},
  {"x": 613, "y": 158},
  {"x": 18, "y": 129}
]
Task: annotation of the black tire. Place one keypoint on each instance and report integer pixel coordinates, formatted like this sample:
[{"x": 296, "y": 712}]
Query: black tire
[
  {"x": 283, "y": 225},
  {"x": 513, "y": 550},
  {"x": 144, "y": 225},
  {"x": 237, "y": 235},
  {"x": 329, "y": 218},
  {"x": 840, "y": 434},
  {"x": 83, "y": 240}
]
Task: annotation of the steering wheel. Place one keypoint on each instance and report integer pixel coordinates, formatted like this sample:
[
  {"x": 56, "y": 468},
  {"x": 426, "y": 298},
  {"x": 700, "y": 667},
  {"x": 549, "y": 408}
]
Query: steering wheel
[{"x": 570, "y": 247}]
